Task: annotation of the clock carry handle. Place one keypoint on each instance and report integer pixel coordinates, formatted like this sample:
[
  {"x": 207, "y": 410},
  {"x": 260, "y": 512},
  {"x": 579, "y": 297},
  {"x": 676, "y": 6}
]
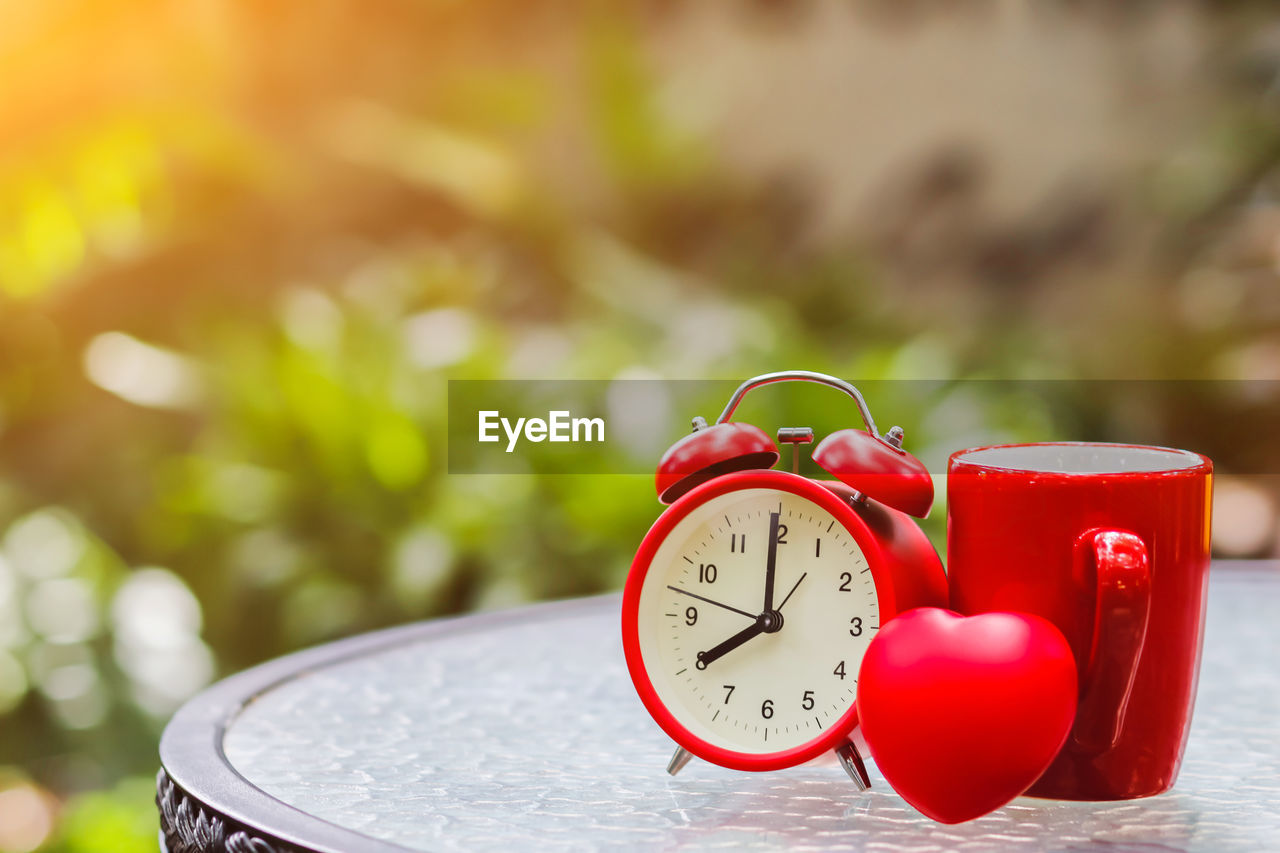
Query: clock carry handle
[
  {"x": 800, "y": 376},
  {"x": 871, "y": 464},
  {"x": 1121, "y": 569}
]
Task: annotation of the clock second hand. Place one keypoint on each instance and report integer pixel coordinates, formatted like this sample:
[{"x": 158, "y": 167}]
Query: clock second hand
[
  {"x": 793, "y": 589},
  {"x": 710, "y": 601}
]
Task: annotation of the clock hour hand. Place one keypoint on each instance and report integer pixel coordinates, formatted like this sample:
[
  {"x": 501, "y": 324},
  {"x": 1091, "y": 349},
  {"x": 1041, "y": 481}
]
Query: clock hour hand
[
  {"x": 709, "y": 601},
  {"x": 717, "y": 652}
]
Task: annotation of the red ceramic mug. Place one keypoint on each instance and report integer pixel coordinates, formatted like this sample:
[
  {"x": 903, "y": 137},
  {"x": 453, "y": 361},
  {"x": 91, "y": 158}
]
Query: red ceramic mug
[{"x": 1110, "y": 542}]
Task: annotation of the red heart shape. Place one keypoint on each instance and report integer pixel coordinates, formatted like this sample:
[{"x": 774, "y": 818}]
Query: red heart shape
[{"x": 964, "y": 713}]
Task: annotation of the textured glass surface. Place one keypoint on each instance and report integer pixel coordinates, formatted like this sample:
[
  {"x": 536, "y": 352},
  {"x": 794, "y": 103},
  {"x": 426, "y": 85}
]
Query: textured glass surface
[{"x": 494, "y": 739}]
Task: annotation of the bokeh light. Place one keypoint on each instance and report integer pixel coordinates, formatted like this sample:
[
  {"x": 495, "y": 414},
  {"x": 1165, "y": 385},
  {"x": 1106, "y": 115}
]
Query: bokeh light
[
  {"x": 62, "y": 610},
  {"x": 157, "y": 624},
  {"x": 139, "y": 372},
  {"x": 26, "y": 818},
  {"x": 13, "y": 682},
  {"x": 1244, "y": 511},
  {"x": 44, "y": 544}
]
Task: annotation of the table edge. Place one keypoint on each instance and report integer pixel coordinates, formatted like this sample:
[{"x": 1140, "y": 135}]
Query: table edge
[{"x": 206, "y": 804}]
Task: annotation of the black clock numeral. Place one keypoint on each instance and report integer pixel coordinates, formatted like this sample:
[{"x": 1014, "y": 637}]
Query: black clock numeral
[
  {"x": 782, "y": 534},
  {"x": 729, "y": 688},
  {"x": 847, "y": 579},
  {"x": 856, "y": 630},
  {"x": 737, "y": 543},
  {"x": 766, "y": 710},
  {"x": 807, "y": 702},
  {"x": 707, "y": 573},
  {"x": 691, "y": 616},
  {"x": 817, "y": 547},
  {"x": 839, "y": 670}
]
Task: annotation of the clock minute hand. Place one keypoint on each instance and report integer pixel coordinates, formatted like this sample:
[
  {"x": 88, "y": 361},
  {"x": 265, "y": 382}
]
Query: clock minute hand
[
  {"x": 717, "y": 652},
  {"x": 771, "y": 564}
]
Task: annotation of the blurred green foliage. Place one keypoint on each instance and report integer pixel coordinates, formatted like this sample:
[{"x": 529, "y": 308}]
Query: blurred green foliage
[
  {"x": 243, "y": 247},
  {"x": 121, "y": 819}
]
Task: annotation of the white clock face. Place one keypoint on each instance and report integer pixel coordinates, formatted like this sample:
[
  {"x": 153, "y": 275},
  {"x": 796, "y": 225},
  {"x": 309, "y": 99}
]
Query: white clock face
[{"x": 720, "y": 658}]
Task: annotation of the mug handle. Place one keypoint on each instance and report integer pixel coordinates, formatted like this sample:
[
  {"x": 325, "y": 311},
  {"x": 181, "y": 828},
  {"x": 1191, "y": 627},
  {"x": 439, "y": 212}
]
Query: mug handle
[{"x": 1122, "y": 567}]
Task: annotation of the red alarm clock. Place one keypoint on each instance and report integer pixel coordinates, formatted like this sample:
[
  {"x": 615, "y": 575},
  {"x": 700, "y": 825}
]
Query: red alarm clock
[{"x": 754, "y": 596}]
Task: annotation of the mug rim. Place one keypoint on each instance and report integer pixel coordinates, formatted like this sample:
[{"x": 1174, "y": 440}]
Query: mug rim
[{"x": 1200, "y": 464}]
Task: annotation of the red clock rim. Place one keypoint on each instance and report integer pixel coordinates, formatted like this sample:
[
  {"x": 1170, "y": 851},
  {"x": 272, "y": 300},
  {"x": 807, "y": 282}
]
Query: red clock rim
[{"x": 766, "y": 479}]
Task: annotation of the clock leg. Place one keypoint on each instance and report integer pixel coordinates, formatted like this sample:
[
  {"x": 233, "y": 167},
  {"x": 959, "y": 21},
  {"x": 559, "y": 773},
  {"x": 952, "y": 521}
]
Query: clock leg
[
  {"x": 678, "y": 760},
  {"x": 852, "y": 763}
]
